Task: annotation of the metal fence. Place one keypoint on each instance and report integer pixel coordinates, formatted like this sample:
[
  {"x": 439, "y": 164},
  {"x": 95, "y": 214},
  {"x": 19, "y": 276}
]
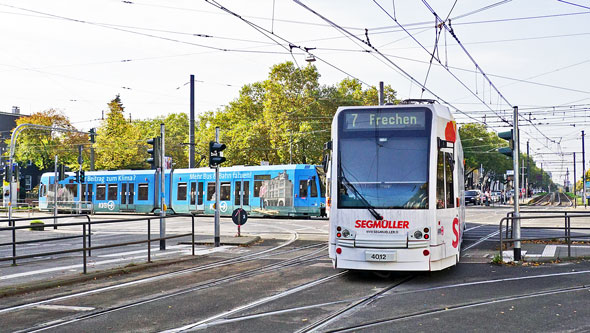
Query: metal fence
[
  {"x": 543, "y": 215},
  {"x": 86, "y": 226}
]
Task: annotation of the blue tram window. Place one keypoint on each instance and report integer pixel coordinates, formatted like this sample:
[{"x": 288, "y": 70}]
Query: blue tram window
[
  {"x": 100, "y": 192},
  {"x": 142, "y": 191}
]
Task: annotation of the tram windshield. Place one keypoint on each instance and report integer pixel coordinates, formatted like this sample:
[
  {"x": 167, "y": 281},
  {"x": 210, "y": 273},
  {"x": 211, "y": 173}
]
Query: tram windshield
[{"x": 383, "y": 158}]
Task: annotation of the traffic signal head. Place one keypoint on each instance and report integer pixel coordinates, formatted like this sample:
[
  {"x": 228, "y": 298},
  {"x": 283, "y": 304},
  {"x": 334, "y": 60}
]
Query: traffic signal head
[
  {"x": 61, "y": 170},
  {"x": 155, "y": 152},
  {"x": 508, "y": 136},
  {"x": 92, "y": 135},
  {"x": 215, "y": 154},
  {"x": 82, "y": 176}
]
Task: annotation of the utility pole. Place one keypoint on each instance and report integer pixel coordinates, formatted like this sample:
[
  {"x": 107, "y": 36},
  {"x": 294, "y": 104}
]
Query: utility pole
[
  {"x": 583, "y": 171},
  {"x": 191, "y": 130},
  {"x": 515, "y": 157},
  {"x": 381, "y": 93},
  {"x": 290, "y": 147},
  {"x": 55, "y": 176},
  {"x": 162, "y": 190},
  {"x": 79, "y": 179},
  {"x": 528, "y": 180},
  {"x": 575, "y": 181}
]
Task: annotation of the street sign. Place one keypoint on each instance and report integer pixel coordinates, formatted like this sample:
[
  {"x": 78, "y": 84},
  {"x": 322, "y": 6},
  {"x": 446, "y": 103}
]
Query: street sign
[
  {"x": 509, "y": 172},
  {"x": 239, "y": 216}
]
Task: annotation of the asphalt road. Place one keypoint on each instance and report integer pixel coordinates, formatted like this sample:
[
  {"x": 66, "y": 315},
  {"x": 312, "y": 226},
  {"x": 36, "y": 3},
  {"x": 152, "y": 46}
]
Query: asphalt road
[{"x": 289, "y": 285}]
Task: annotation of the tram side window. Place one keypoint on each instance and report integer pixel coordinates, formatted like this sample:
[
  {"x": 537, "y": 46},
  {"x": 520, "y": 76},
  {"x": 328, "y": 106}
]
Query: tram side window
[
  {"x": 314, "y": 188},
  {"x": 113, "y": 191},
  {"x": 449, "y": 180},
  {"x": 181, "y": 191},
  {"x": 100, "y": 192},
  {"x": 258, "y": 181},
  {"x": 142, "y": 191},
  {"x": 225, "y": 191},
  {"x": 43, "y": 190},
  {"x": 303, "y": 188},
  {"x": 210, "y": 191},
  {"x": 440, "y": 181}
]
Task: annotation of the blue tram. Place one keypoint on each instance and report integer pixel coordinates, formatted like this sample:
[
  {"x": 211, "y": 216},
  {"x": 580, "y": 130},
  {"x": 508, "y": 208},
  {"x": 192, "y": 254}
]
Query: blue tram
[{"x": 278, "y": 190}]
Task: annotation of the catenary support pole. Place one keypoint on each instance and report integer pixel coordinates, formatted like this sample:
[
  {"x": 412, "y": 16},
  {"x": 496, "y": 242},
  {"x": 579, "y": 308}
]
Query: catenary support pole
[
  {"x": 191, "y": 130},
  {"x": 575, "y": 181},
  {"x": 515, "y": 158},
  {"x": 162, "y": 189},
  {"x": 55, "y": 176},
  {"x": 583, "y": 171},
  {"x": 381, "y": 94}
]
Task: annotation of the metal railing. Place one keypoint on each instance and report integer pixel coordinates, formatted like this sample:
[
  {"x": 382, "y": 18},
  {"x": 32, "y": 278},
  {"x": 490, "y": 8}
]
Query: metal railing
[
  {"x": 86, "y": 236},
  {"x": 541, "y": 214}
]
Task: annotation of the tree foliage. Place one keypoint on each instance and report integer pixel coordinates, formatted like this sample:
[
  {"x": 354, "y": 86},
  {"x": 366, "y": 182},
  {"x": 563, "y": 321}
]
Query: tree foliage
[
  {"x": 119, "y": 144},
  {"x": 285, "y": 118},
  {"x": 40, "y": 146},
  {"x": 176, "y": 135}
]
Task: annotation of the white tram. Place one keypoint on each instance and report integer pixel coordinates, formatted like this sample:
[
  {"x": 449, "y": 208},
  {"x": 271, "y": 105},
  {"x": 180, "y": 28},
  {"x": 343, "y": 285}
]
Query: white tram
[{"x": 396, "y": 190}]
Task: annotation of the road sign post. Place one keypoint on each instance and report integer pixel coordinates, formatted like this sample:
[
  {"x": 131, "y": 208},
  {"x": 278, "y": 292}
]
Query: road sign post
[{"x": 239, "y": 216}]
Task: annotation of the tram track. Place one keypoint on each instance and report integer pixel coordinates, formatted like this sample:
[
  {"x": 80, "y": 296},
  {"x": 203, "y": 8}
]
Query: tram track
[
  {"x": 446, "y": 309},
  {"x": 210, "y": 284},
  {"x": 302, "y": 259},
  {"x": 217, "y": 264}
]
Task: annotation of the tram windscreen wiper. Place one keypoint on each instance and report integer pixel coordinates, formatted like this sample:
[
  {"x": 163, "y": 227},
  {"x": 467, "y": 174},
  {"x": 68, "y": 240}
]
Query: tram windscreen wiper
[{"x": 369, "y": 207}]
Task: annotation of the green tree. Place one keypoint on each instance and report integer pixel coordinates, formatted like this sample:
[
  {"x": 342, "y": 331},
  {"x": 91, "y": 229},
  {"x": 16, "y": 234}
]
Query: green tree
[
  {"x": 284, "y": 118},
  {"x": 480, "y": 149},
  {"x": 40, "y": 146},
  {"x": 119, "y": 144}
]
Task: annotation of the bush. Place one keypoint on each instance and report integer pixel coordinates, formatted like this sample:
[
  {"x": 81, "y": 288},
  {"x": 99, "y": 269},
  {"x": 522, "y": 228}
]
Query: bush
[{"x": 37, "y": 225}]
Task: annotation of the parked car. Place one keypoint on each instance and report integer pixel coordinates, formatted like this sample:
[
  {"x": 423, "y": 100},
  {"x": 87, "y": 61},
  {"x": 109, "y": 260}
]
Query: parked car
[{"x": 473, "y": 197}]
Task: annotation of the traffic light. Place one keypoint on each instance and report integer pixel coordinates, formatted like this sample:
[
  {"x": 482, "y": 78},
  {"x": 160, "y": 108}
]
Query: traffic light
[
  {"x": 215, "y": 154},
  {"x": 155, "y": 152},
  {"x": 508, "y": 136},
  {"x": 92, "y": 135},
  {"x": 61, "y": 172},
  {"x": 82, "y": 176}
]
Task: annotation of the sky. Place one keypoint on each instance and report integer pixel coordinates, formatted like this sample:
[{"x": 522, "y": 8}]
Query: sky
[{"x": 76, "y": 56}]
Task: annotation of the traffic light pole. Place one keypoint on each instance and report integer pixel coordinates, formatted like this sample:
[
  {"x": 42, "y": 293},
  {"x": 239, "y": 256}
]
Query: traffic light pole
[
  {"x": 162, "y": 190},
  {"x": 80, "y": 179},
  {"x": 55, "y": 177},
  {"x": 217, "y": 189},
  {"x": 515, "y": 157}
]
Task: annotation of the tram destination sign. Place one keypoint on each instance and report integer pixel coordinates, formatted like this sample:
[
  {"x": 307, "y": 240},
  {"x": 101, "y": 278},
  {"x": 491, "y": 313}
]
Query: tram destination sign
[{"x": 384, "y": 119}]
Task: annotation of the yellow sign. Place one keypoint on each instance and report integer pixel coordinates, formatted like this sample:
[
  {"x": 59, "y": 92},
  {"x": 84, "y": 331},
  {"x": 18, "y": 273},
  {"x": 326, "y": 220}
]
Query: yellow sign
[{"x": 165, "y": 207}]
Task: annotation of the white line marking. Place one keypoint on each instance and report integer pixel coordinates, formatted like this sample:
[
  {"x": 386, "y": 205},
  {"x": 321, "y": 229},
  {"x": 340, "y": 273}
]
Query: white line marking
[
  {"x": 481, "y": 240},
  {"x": 110, "y": 261},
  {"x": 479, "y": 226},
  {"x": 63, "y": 307}
]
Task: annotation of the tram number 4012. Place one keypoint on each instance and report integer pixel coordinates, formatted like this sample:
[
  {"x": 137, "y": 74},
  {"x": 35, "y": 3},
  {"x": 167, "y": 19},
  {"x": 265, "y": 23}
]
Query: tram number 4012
[{"x": 380, "y": 256}]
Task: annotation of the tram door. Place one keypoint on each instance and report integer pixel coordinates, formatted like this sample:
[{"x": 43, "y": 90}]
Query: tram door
[
  {"x": 87, "y": 192},
  {"x": 127, "y": 196},
  {"x": 197, "y": 193},
  {"x": 242, "y": 194}
]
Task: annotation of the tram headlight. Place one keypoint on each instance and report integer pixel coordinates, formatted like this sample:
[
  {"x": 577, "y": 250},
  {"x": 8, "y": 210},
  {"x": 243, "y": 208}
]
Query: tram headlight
[{"x": 418, "y": 234}]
